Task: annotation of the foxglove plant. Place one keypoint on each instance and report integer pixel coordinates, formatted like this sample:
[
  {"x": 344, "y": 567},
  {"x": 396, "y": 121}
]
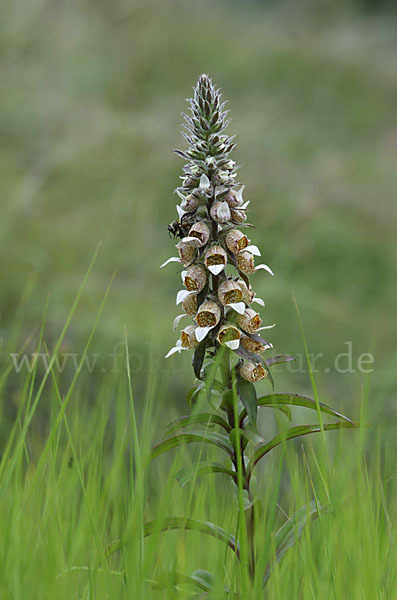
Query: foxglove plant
[{"x": 224, "y": 332}]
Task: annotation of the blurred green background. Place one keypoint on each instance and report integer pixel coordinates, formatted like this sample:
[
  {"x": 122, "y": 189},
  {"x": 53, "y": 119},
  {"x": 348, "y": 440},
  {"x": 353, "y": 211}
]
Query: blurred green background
[{"x": 89, "y": 113}]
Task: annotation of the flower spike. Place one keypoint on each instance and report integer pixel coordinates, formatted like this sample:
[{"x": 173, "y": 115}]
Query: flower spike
[{"x": 217, "y": 256}]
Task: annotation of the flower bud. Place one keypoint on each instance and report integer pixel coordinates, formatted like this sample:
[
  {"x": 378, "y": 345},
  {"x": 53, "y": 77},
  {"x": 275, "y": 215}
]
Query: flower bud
[
  {"x": 245, "y": 262},
  {"x": 188, "y": 337},
  {"x": 189, "y": 182},
  {"x": 248, "y": 292},
  {"x": 189, "y": 304},
  {"x": 233, "y": 199},
  {"x": 236, "y": 241},
  {"x": 229, "y": 335},
  {"x": 238, "y": 215},
  {"x": 195, "y": 279},
  {"x": 222, "y": 177},
  {"x": 252, "y": 345},
  {"x": 229, "y": 292},
  {"x": 250, "y": 321},
  {"x": 220, "y": 211},
  {"x": 208, "y": 314},
  {"x": 251, "y": 372},
  {"x": 186, "y": 251},
  {"x": 215, "y": 259},
  {"x": 200, "y": 231},
  {"x": 190, "y": 203}
]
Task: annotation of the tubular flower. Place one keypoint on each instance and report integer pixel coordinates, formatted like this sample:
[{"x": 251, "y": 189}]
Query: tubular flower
[
  {"x": 230, "y": 294},
  {"x": 236, "y": 241},
  {"x": 190, "y": 203},
  {"x": 189, "y": 304},
  {"x": 233, "y": 198},
  {"x": 252, "y": 372},
  {"x": 186, "y": 251},
  {"x": 215, "y": 259},
  {"x": 229, "y": 291},
  {"x": 208, "y": 314},
  {"x": 200, "y": 231},
  {"x": 245, "y": 263},
  {"x": 238, "y": 215},
  {"x": 208, "y": 317},
  {"x": 250, "y": 321},
  {"x": 253, "y": 345},
  {"x": 195, "y": 279},
  {"x": 220, "y": 212},
  {"x": 229, "y": 335},
  {"x": 188, "y": 337},
  {"x": 248, "y": 292},
  {"x": 210, "y": 210}
]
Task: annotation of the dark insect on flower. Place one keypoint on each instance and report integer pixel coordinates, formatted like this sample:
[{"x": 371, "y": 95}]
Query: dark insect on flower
[{"x": 179, "y": 229}]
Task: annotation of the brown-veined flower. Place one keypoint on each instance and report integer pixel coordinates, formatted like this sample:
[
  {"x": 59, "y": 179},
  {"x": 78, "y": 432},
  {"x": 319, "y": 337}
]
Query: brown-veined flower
[
  {"x": 200, "y": 231},
  {"x": 230, "y": 294},
  {"x": 220, "y": 211},
  {"x": 236, "y": 241},
  {"x": 207, "y": 317},
  {"x": 194, "y": 278},
  {"x": 250, "y": 321},
  {"x": 252, "y": 372},
  {"x": 187, "y": 341},
  {"x": 215, "y": 259},
  {"x": 229, "y": 335}
]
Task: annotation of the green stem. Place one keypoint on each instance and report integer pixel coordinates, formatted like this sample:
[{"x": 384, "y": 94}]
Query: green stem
[
  {"x": 225, "y": 369},
  {"x": 246, "y": 517}
]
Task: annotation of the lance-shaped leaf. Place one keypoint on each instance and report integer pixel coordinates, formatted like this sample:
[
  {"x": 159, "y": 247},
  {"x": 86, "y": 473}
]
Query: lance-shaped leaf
[
  {"x": 210, "y": 372},
  {"x": 291, "y": 433},
  {"x": 203, "y": 418},
  {"x": 198, "y": 358},
  {"x": 185, "y": 475},
  {"x": 276, "y": 360},
  {"x": 247, "y": 394},
  {"x": 180, "y": 439},
  {"x": 153, "y": 527},
  {"x": 284, "y": 409},
  {"x": 290, "y": 532},
  {"x": 277, "y": 400},
  {"x": 239, "y": 436},
  {"x": 192, "y": 395}
]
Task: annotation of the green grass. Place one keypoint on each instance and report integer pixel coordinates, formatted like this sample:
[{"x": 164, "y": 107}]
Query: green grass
[
  {"x": 77, "y": 487},
  {"x": 89, "y": 114}
]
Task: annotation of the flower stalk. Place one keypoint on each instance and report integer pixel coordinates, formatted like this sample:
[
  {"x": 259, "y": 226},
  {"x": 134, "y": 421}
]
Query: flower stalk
[{"x": 224, "y": 333}]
